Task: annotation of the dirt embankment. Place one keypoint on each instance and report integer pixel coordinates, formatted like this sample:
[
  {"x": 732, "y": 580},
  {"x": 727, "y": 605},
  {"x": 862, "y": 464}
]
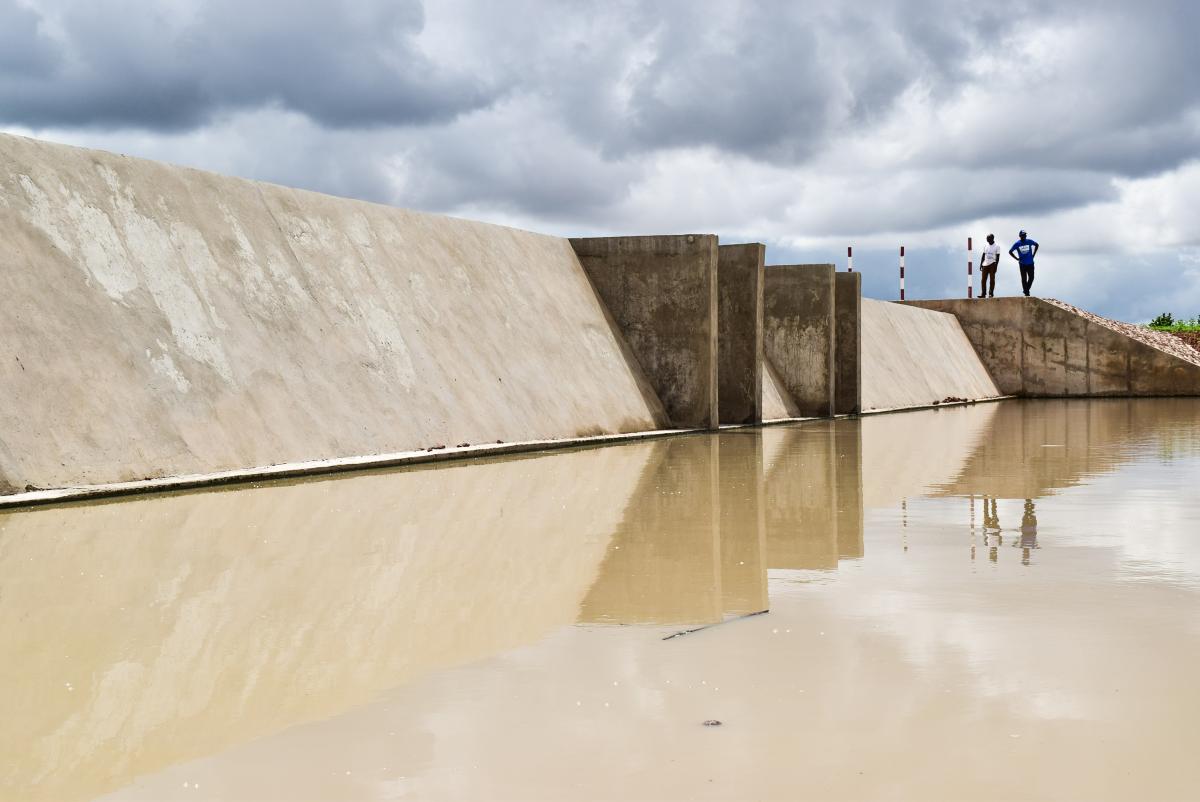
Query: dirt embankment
[{"x": 1192, "y": 338}]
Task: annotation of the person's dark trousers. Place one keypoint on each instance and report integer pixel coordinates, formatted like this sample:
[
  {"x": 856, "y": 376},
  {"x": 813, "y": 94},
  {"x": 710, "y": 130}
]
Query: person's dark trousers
[
  {"x": 1026, "y": 278},
  {"x": 988, "y": 274}
]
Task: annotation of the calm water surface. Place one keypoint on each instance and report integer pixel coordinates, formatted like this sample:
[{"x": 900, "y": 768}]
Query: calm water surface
[{"x": 994, "y": 602}]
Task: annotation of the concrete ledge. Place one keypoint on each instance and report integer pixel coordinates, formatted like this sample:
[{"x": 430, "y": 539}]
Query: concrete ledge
[
  {"x": 946, "y": 405},
  {"x": 798, "y": 333},
  {"x": 662, "y": 294},
  {"x": 740, "y": 332},
  {"x": 295, "y": 470}
]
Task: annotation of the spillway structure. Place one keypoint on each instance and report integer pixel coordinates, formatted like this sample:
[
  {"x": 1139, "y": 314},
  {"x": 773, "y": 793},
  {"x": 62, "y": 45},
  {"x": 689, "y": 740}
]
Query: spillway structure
[{"x": 168, "y": 327}]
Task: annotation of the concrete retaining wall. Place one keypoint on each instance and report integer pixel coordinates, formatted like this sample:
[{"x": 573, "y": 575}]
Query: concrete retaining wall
[
  {"x": 1035, "y": 348},
  {"x": 740, "y": 332},
  {"x": 662, "y": 293},
  {"x": 847, "y": 351},
  {"x": 914, "y": 357},
  {"x": 165, "y": 321},
  {"x": 798, "y": 333}
]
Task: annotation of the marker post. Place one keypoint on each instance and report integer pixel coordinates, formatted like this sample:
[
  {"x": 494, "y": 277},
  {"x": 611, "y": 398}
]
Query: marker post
[
  {"x": 970, "y": 270},
  {"x": 901, "y": 272},
  {"x": 849, "y": 258}
]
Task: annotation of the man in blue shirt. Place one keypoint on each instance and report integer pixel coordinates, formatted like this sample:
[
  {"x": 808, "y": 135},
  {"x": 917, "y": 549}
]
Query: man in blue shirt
[{"x": 1023, "y": 250}]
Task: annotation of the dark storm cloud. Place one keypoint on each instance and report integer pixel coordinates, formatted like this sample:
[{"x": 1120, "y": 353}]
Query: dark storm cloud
[
  {"x": 23, "y": 48},
  {"x": 570, "y": 109},
  {"x": 119, "y": 63}
]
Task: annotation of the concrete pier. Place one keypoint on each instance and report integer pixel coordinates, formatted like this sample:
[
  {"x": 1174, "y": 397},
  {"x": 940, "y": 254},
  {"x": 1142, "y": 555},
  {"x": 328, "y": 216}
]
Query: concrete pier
[
  {"x": 662, "y": 295},
  {"x": 799, "y": 333},
  {"x": 740, "y": 332},
  {"x": 847, "y": 359}
]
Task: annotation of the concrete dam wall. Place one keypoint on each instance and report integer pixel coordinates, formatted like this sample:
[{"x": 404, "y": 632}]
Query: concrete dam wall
[
  {"x": 166, "y": 321},
  {"x": 171, "y": 327},
  {"x": 1037, "y": 347}
]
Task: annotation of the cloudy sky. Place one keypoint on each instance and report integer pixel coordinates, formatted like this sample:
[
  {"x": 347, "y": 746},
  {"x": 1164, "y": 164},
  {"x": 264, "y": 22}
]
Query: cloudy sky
[{"x": 805, "y": 125}]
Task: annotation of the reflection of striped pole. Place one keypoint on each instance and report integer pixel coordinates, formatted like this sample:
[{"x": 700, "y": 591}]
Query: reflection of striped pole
[
  {"x": 970, "y": 266},
  {"x": 850, "y": 258},
  {"x": 901, "y": 272}
]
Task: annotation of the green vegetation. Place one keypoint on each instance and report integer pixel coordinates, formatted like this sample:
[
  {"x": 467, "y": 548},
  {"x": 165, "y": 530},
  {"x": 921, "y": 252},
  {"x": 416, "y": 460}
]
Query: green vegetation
[{"x": 1167, "y": 322}]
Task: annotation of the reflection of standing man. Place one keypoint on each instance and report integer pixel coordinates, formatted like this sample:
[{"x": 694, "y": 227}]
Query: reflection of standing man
[
  {"x": 991, "y": 518},
  {"x": 1028, "y": 531},
  {"x": 1023, "y": 250},
  {"x": 988, "y": 264},
  {"x": 991, "y": 528}
]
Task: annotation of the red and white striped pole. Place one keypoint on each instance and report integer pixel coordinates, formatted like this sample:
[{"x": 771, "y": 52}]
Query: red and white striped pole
[
  {"x": 849, "y": 258},
  {"x": 970, "y": 271},
  {"x": 901, "y": 272}
]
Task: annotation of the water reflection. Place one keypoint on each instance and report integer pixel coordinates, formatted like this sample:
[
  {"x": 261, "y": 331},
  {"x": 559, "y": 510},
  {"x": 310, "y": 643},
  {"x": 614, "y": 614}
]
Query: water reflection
[{"x": 140, "y": 633}]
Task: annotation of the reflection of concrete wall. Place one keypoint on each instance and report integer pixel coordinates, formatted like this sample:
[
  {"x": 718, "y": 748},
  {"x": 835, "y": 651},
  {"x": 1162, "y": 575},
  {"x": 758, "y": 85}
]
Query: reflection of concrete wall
[
  {"x": 798, "y": 333},
  {"x": 1033, "y": 448},
  {"x": 915, "y": 357},
  {"x": 847, "y": 447},
  {"x": 740, "y": 332},
  {"x": 691, "y": 546},
  {"x": 662, "y": 293},
  {"x": 663, "y": 564},
  {"x": 1036, "y": 348},
  {"x": 908, "y": 455},
  {"x": 801, "y": 500},
  {"x": 173, "y": 321},
  {"x": 141, "y": 633},
  {"x": 743, "y": 523}
]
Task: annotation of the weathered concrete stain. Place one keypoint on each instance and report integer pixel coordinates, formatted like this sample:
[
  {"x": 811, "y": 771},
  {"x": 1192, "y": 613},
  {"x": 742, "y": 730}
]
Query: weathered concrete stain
[
  {"x": 798, "y": 333},
  {"x": 847, "y": 359},
  {"x": 740, "y": 332}
]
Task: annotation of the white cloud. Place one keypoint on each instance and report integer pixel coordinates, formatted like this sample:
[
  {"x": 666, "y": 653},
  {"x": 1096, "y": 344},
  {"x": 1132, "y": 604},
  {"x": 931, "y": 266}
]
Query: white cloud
[{"x": 807, "y": 126}]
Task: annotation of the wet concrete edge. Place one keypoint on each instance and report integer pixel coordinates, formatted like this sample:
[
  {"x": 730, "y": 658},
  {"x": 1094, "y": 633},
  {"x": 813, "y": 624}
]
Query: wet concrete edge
[{"x": 294, "y": 470}]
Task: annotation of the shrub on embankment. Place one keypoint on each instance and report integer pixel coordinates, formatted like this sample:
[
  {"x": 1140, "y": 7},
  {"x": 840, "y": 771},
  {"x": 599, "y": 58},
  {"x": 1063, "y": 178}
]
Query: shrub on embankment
[{"x": 1186, "y": 329}]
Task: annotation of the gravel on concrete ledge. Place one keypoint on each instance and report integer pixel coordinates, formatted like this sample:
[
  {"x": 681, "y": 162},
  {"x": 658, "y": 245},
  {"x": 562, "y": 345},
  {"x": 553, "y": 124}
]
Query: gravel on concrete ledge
[{"x": 1162, "y": 340}]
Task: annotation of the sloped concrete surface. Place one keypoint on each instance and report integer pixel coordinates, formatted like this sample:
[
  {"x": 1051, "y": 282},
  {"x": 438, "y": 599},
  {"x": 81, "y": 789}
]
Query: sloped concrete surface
[
  {"x": 165, "y": 321},
  {"x": 777, "y": 402},
  {"x": 913, "y": 357}
]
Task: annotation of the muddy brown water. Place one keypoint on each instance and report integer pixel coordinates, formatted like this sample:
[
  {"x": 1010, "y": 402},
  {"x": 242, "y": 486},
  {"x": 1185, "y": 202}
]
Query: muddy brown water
[{"x": 992, "y": 602}]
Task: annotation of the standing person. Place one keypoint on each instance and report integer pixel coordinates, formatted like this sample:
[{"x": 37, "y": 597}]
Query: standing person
[
  {"x": 1023, "y": 250},
  {"x": 987, "y": 267}
]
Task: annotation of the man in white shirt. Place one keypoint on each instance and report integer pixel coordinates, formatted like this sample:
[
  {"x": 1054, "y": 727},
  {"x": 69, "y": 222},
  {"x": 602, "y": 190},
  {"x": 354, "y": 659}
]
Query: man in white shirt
[{"x": 988, "y": 264}]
